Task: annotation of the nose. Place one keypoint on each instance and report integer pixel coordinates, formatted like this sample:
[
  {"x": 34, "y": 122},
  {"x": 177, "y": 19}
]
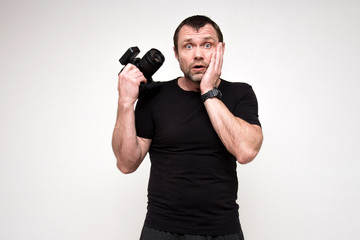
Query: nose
[{"x": 198, "y": 53}]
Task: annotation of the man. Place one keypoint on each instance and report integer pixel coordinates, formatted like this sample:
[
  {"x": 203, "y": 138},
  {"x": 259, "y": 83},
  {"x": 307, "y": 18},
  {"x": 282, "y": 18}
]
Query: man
[{"x": 195, "y": 128}]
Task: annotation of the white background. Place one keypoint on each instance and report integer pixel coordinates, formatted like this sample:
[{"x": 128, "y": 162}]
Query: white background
[{"x": 58, "y": 101}]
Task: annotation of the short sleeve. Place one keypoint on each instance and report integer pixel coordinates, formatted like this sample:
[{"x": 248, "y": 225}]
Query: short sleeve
[
  {"x": 247, "y": 107},
  {"x": 143, "y": 119}
]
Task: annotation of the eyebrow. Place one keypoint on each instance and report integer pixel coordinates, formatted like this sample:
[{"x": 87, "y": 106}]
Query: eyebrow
[{"x": 205, "y": 38}]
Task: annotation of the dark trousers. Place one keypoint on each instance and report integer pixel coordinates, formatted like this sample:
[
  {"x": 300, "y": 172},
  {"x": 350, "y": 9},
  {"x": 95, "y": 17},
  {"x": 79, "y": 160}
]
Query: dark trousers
[{"x": 152, "y": 234}]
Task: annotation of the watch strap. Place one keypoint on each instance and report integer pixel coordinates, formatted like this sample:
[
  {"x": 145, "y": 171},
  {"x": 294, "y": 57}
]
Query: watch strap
[{"x": 215, "y": 92}]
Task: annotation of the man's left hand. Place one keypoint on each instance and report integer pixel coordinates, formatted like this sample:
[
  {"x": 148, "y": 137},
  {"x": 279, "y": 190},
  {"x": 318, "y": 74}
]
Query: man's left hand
[{"x": 211, "y": 77}]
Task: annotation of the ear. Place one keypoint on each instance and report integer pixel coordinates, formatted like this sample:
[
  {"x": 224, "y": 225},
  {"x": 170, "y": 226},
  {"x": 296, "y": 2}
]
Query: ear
[{"x": 176, "y": 54}]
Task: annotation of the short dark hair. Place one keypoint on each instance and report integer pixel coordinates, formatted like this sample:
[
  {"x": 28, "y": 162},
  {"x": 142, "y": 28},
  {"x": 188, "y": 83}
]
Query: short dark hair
[{"x": 196, "y": 22}]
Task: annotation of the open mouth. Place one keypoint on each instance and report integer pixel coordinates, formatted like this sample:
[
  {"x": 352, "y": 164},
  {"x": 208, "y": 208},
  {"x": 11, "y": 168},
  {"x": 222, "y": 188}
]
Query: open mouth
[{"x": 198, "y": 67}]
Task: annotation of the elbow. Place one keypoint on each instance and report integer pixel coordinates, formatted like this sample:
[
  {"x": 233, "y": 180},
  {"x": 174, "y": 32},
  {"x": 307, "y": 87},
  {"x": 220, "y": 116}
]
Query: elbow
[
  {"x": 246, "y": 157},
  {"x": 124, "y": 169},
  {"x": 126, "y": 163},
  {"x": 248, "y": 154}
]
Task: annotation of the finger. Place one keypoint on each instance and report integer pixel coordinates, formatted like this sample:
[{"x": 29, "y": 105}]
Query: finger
[
  {"x": 128, "y": 67},
  {"x": 141, "y": 79},
  {"x": 125, "y": 70},
  {"x": 131, "y": 74},
  {"x": 221, "y": 56},
  {"x": 136, "y": 73},
  {"x": 218, "y": 59},
  {"x": 212, "y": 63}
]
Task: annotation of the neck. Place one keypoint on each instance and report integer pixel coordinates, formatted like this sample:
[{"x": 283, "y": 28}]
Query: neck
[{"x": 188, "y": 85}]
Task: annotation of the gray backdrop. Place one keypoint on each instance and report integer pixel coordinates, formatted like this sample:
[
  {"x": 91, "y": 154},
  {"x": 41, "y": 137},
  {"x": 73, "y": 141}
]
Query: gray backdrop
[{"x": 58, "y": 101}]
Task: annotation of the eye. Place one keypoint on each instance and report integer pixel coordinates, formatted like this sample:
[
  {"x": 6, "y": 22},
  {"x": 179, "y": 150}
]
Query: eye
[
  {"x": 188, "y": 46},
  {"x": 207, "y": 45}
]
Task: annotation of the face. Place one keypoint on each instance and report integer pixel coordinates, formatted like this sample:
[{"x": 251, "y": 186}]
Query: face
[{"x": 195, "y": 49}]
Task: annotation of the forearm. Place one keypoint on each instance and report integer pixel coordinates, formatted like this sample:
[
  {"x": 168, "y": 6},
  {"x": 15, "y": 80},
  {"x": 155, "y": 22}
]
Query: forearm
[
  {"x": 125, "y": 142},
  {"x": 241, "y": 139}
]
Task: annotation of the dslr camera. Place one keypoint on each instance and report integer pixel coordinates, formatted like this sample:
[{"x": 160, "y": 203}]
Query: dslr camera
[{"x": 148, "y": 65}]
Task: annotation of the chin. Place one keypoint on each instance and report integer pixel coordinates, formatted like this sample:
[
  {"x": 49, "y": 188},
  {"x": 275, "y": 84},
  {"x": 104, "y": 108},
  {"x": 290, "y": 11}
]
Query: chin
[{"x": 196, "y": 78}]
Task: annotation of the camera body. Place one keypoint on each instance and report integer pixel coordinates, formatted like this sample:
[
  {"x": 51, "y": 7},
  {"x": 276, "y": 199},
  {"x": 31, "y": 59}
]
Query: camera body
[{"x": 148, "y": 65}]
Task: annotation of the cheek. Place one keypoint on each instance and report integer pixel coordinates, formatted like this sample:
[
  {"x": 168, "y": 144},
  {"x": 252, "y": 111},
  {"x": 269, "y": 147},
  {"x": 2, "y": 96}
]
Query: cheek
[
  {"x": 183, "y": 61},
  {"x": 208, "y": 55},
  {"x": 183, "y": 64}
]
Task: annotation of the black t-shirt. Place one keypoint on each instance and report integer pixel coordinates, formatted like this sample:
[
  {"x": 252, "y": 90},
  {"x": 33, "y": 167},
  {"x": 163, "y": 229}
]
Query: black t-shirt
[{"x": 193, "y": 182}]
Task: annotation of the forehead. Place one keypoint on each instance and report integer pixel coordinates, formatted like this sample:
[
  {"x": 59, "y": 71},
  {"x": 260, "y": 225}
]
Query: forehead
[{"x": 188, "y": 33}]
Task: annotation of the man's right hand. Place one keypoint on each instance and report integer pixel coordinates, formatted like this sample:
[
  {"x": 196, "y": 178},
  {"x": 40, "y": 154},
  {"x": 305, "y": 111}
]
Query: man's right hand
[
  {"x": 130, "y": 79},
  {"x": 129, "y": 149}
]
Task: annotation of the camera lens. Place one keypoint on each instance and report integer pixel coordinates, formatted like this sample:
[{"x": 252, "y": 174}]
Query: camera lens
[
  {"x": 155, "y": 55},
  {"x": 151, "y": 62}
]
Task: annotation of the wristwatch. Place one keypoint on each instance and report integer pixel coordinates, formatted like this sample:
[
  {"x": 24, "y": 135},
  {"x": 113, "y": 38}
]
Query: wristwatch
[{"x": 215, "y": 92}]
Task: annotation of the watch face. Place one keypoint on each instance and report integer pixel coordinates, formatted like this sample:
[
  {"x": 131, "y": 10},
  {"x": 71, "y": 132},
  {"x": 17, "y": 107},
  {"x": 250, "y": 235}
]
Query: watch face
[
  {"x": 212, "y": 93},
  {"x": 217, "y": 93}
]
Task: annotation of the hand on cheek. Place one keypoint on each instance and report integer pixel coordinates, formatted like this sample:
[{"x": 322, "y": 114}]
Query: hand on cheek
[{"x": 212, "y": 75}]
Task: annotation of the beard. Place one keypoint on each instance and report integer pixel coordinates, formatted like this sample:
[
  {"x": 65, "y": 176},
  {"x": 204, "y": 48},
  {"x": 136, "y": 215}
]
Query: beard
[{"x": 194, "y": 76}]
